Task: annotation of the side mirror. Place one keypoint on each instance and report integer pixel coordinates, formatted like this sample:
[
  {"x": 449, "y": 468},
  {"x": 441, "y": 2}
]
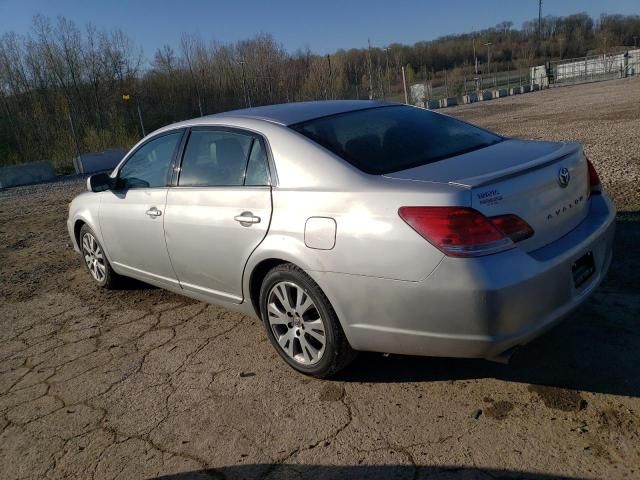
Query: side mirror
[{"x": 100, "y": 182}]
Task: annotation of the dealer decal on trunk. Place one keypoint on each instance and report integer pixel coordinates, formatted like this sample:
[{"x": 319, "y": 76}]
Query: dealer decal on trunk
[{"x": 489, "y": 197}]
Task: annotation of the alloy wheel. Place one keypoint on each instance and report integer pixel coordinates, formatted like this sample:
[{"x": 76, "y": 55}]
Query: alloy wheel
[
  {"x": 94, "y": 257},
  {"x": 296, "y": 323}
]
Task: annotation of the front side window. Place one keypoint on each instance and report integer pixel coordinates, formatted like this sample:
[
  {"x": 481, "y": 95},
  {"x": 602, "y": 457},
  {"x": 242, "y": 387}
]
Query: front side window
[
  {"x": 215, "y": 158},
  {"x": 148, "y": 167},
  {"x": 389, "y": 139}
]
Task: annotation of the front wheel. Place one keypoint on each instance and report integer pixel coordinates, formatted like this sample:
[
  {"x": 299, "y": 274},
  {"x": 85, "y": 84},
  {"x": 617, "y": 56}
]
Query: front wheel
[
  {"x": 301, "y": 323},
  {"x": 95, "y": 260}
]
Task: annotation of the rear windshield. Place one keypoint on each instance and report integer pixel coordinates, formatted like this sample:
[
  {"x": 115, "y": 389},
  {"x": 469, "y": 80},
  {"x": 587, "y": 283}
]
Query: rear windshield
[{"x": 388, "y": 139}]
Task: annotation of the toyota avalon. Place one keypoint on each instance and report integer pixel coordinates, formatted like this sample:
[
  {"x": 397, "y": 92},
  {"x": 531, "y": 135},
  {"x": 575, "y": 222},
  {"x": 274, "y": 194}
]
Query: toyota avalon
[{"x": 352, "y": 226}]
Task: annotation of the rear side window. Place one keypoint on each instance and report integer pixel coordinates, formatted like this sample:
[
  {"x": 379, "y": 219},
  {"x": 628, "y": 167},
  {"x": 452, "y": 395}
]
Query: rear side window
[
  {"x": 214, "y": 158},
  {"x": 257, "y": 174},
  {"x": 388, "y": 139}
]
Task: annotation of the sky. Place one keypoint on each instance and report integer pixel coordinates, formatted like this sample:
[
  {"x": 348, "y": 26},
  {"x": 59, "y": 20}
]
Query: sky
[{"x": 321, "y": 25}]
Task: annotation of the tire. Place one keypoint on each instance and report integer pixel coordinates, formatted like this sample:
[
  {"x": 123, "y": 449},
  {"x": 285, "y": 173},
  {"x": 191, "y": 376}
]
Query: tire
[
  {"x": 301, "y": 323},
  {"x": 95, "y": 261}
]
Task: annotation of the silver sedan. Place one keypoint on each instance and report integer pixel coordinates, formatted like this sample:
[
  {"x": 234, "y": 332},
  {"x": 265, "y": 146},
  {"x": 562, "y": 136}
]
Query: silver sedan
[{"x": 355, "y": 225}]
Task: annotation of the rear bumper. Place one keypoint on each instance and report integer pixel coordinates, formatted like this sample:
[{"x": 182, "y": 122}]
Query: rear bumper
[{"x": 475, "y": 307}]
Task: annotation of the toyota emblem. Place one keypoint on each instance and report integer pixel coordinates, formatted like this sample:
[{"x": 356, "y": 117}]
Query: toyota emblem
[{"x": 564, "y": 177}]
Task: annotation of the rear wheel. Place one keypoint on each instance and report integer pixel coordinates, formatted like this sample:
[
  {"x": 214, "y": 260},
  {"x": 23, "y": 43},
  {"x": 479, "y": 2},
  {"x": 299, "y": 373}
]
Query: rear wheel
[
  {"x": 95, "y": 259},
  {"x": 301, "y": 323}
]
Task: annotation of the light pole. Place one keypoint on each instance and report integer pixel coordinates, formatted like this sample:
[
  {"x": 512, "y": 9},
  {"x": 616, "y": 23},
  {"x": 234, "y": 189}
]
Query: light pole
[
  {"x": 488, "y": 45},
  {"x": 475, "y": 57},
  {"x": 144, "y": 133},
  {"x": 126, "y": 97}
]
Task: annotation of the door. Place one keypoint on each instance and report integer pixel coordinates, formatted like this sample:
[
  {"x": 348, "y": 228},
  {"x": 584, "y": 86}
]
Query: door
[
  {"x": 132, "y": 216},
  {"x": 219, "y": 212}
]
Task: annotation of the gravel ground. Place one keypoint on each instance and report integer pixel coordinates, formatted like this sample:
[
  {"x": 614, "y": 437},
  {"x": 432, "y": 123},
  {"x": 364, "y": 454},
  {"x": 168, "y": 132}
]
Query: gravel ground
[{"x": 142, "y": 383}]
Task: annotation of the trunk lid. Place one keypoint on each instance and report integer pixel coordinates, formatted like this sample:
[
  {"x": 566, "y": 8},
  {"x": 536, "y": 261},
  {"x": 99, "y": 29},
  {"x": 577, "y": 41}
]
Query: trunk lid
[{"x": 519, "y": 177}]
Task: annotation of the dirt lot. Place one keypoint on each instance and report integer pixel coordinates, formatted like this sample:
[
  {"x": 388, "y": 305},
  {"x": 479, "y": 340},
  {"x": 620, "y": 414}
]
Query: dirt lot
[{"x": 141, "y": 383}]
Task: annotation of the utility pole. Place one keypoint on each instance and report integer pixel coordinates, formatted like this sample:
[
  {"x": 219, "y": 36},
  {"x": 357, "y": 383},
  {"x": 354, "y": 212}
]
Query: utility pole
[
  {"x": 247, "y": 98},
  {"x": 369, "y": 68},
  {"x": 404, "y": 85},
  {"x": 540, "y": 21},
  {"x": 539, "y": 35}
]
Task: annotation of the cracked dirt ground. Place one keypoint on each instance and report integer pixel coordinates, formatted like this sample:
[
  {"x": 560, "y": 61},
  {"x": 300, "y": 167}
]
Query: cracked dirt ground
[{"x": 142, "y": 383}]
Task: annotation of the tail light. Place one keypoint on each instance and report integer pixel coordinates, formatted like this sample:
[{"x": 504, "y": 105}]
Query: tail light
[
  {"x": 456, "y": 231},
  {"x": 595, "y": 187},
  {"x": 513, "y": 227}
]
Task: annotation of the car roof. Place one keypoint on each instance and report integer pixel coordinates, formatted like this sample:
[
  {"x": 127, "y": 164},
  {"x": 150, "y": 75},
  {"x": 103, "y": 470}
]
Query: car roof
[{"x": 291, "y": 113}]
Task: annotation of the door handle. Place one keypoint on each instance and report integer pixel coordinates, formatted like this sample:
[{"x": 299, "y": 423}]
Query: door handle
[
  {"x": 153, "y": 212},
  {"x": 246, "y": 219}
]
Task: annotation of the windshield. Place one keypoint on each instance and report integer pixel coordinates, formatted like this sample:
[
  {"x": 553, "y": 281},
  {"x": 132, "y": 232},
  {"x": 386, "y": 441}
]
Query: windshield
[{"x": 388, "y": 139}]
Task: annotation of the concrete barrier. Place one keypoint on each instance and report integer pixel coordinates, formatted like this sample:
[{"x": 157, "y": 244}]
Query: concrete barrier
[
  {"x": 98, "y": 161},
  {"x": 526, "y": 88},
  {"x": 432, "y": 104},
  {"x": 500, "y": 93},
  {"x": 448, "y": 102},
  {"x": 515, "y": 91},
  {"x": 26, "y": 174},
  {"x": 471, "y": 98},
  {"x": 486, "y": 95}
]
